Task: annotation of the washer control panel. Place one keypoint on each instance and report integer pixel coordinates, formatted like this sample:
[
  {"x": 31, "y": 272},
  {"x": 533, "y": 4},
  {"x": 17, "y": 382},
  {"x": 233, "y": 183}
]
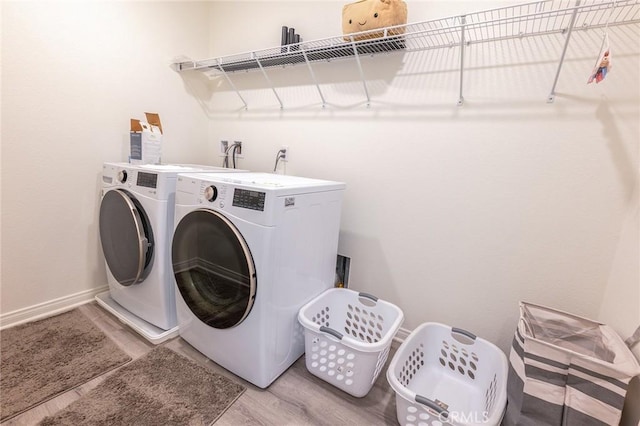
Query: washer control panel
[
  {"x": 155, "y": 185},
  {"x": 148, "y": 180}
]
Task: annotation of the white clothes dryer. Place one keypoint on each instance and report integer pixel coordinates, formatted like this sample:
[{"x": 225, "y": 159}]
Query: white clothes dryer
[
  {"x": 249, "y": 250},
  {"x": 136, "y": 223}
]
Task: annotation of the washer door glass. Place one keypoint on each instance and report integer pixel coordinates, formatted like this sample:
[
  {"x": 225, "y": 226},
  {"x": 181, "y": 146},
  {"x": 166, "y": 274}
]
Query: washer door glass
[
  {"x": 214, "y": 269},
  {"x": 126, "y": 237}
]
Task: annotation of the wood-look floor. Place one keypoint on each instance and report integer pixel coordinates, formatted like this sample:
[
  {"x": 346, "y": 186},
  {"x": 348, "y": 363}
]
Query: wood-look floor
[{"x": 295, "y": 398}]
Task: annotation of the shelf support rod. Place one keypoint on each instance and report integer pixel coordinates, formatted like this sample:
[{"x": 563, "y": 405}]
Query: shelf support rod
[
  {"x": 552, "y": 94},
  {"x": 364, "y": 82},
  {"x": 463, "y": 21},
  {"x": 313, "y": 76},
  {"x": 233, "y": 86},
  {"x": 266, "y": 77}
]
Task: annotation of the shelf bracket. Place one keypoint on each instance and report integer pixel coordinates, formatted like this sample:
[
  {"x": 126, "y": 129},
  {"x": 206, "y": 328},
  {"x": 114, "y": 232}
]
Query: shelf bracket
[
  {"x": 313, "y": 76},
  {"x": 552, "y": 94},
  {"x": 266, "y": 77},
  {"x": 364, "y": 81},
  {"x": 233, "y": 86},
  {"x": 463, "y": 21}
]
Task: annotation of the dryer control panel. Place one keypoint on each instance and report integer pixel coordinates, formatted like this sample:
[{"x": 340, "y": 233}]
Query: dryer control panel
[
  {"x": 243, "y": 198},
  {"x": 210, "y": 193},
  {"x": 248, "y": 199}
]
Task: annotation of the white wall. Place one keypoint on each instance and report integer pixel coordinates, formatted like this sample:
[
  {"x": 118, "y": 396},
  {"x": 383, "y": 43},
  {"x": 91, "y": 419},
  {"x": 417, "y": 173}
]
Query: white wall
[
  {"x": 454, "y": 213},
  {"x": 621, "y": 302},
  {"x": 73, "y": 74}
]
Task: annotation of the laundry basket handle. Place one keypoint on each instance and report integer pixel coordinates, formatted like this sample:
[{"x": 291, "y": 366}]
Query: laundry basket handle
[
  {"x": 469, "y": 334},
  {"x": 433, "y": 405},
  {"x": 331, "y": 331},
  {"x": 368, "y": 296}
]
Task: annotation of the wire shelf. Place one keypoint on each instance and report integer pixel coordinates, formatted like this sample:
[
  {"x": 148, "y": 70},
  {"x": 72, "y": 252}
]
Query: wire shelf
[{"x": 519, "y": 21}]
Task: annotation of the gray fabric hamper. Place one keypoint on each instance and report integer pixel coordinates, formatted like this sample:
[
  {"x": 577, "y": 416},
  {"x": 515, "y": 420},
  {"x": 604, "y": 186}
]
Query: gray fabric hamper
[{"x": 566, "y": 370}]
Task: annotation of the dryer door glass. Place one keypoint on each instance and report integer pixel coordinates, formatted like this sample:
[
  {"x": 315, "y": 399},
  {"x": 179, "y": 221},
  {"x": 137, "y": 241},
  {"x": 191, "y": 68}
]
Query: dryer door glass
[
  {"x": 214, "y": 269},
  {"x": 126, "y": 237}
]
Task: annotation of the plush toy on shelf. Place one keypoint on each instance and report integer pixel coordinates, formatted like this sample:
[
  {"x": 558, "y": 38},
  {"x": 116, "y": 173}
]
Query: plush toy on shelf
[{"x": 367, "y": 15}]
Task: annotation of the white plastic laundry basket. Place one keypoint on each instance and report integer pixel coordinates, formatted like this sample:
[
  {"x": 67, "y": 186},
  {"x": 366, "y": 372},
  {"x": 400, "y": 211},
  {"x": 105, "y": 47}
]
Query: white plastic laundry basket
[
  {"x": 347, "y": 337},
  {"x": 448, "y": 376}
]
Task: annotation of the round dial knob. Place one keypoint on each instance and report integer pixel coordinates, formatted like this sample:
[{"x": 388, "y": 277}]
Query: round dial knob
[
  {"x": 122, "y": 176},
  {"x": 211, "y": 193}
]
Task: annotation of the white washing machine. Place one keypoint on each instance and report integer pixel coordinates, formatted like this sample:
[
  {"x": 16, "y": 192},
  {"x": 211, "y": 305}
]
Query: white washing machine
[
  {"x": 249, "y": 250},
  {"x": 136, "y": 223}
]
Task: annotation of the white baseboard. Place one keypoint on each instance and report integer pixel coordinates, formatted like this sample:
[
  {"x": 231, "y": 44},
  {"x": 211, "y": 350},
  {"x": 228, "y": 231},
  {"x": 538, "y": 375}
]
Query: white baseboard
[{"x": 49, "y": 308}]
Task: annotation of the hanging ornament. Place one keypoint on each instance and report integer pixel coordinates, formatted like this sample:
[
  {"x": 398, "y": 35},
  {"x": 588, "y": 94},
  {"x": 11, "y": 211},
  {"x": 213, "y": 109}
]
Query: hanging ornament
[{"x": 603, "y": 62}]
